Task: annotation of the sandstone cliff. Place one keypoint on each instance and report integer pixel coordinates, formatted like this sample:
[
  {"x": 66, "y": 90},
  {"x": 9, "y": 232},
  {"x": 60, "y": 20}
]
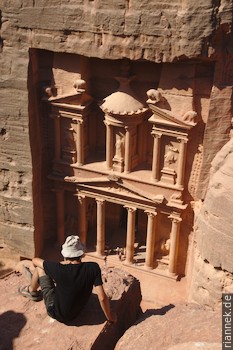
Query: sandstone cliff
[{"x": 213, "y": 265}]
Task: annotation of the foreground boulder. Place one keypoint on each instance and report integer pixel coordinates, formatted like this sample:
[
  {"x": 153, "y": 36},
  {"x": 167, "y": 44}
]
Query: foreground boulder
[{"x": 182, "y": 326}]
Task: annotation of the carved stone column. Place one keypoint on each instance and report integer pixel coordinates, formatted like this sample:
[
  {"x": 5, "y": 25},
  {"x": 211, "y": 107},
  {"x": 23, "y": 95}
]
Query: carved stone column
[
  {"x": 60, "y": 216},
  {"x": 130, "y": 234},
  {"x": 57, "y": 119},
  {"x": 150, "y": 240},
  {"x": 174, "y": 243},
  {"x": 181, "y": 161},
  {"x": 128, "y": 147},
  {"x": 82, "y": 218},
  {"x": 109, "y": 145},
  {"x": 156, "y": 155},
  {"x": 100, "y": 242},
  {"x": 79, "y": 142}
]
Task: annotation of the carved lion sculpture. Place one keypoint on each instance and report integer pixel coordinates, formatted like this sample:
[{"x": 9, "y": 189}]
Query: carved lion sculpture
[
  {"x": 80, "y": 85},
  {"x": 154, "y": 96},
  {"x": 189, "y": 117}
]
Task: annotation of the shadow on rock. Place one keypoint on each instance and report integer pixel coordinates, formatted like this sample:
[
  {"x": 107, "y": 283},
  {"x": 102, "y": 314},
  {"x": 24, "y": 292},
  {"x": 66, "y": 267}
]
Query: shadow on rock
[
  {"x": 11, "y": 324},
  {"x": 4, "y": 272},
  {"x": 153, "y": 312}
]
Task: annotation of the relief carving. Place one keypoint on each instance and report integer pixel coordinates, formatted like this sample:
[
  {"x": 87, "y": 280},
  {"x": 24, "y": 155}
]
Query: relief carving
[
  {"x": 118, "y": 160},
  {"x": 69, "y": 146},
  {"x": 80, "y": 85},
  {"x": 154, "y": 96},
  {"x": 162, "y": 250},
  {"x": 165, "y": 247},
  {"x": 190, "y": 117},
  {"x": 119, "y": 148},
  {"x": 171, "y": 156}
]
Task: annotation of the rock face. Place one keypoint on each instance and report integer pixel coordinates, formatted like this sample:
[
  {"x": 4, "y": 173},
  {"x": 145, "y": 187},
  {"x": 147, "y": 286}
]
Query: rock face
[
  {"x": 172, "y": 327},
  {"x": 213, "y": 265},
  {"x": 89, "y": 331},
  {"x": 151, "y": 30}
]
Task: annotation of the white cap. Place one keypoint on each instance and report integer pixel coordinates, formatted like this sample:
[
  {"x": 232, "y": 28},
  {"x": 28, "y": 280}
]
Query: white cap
[{"x": 72, "y": 248}]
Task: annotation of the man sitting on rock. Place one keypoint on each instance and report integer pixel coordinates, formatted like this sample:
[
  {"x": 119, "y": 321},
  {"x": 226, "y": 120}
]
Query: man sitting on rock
[{"x": 66, "y": 286}]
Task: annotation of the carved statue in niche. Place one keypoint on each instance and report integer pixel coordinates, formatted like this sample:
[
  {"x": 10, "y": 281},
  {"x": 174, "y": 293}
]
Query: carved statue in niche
[
  {"x": 118, "y": 160},
  {"x": 162, "y": 247},
  {"x": 69, "y": 142},
  {"x": 165, "y": 246},
  {"x": 162, "y": 251},
  {"x": 119, "y": 148},
  {"x": 171, "y": 156},
  {"x": 69, "y": 146}
]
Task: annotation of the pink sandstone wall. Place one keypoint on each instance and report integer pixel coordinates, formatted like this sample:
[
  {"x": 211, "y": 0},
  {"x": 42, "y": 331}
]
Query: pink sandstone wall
[{"x": 153, "y": 31}]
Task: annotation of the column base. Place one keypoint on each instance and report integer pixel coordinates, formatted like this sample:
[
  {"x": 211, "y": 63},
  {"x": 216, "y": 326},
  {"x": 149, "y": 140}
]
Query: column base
[
  {"x": 129, "y": 263},
  {"x": 172, "y": 274},
  {"x": 98, "y": 255},
  {"x": 154, "y": 180}
]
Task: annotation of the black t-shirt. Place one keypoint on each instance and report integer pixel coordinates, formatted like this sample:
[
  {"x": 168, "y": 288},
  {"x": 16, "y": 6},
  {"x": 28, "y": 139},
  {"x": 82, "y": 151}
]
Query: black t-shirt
[{"x": 74, "y": 284}]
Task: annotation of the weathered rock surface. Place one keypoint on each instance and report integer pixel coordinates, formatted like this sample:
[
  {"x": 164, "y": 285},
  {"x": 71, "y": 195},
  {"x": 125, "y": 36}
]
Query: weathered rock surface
[
  {"x": 215, "y": 221},
  {"x": 152, "y": 30},
  {"x": 25, "y": 324},
  {"x": 213, "y": 265},
  {"x": 173, "y": 326}
]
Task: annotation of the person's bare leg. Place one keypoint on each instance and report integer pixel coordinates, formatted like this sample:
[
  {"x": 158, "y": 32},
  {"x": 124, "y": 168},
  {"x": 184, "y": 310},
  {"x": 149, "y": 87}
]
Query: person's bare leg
[{"x": 34, "y": 285}]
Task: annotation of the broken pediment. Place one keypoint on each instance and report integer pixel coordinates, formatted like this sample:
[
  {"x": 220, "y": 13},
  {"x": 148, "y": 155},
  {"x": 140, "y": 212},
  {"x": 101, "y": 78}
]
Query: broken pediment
[
  {"x": 75, "y": 96},
  {"x": 115, "y": 186},
  {"x": 165, "y": 117}
]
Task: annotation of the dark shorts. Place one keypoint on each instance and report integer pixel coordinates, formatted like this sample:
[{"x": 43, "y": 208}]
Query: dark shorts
[{"x": 48, "y": 290}]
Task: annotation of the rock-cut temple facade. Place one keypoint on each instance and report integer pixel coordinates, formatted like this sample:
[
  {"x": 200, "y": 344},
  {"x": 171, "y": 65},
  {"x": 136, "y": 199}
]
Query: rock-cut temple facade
[{"x": 118, "y": 169}]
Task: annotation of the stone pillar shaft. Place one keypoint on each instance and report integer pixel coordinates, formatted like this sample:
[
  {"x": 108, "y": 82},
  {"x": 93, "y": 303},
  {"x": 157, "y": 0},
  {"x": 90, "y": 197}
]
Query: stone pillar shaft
[
  {"x": 174, "y": 242},
  {"x": 181, "y": 162},
  {"x": 82, "y": 219},
  {"x": 100, "y": 242},
  {"x": 79, "y": 142},
  {"x": 128, "y": 147},
  {"x": 109, "y": 146},
  {"x": 156, "y": 155},
  {"x": 130, "y": 235},
  {"x": 150, "y": 240}
]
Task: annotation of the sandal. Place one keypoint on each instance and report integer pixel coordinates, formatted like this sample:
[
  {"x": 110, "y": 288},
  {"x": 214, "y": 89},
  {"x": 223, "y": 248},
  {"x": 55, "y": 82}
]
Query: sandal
[{"x": 35, "y": 296}]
